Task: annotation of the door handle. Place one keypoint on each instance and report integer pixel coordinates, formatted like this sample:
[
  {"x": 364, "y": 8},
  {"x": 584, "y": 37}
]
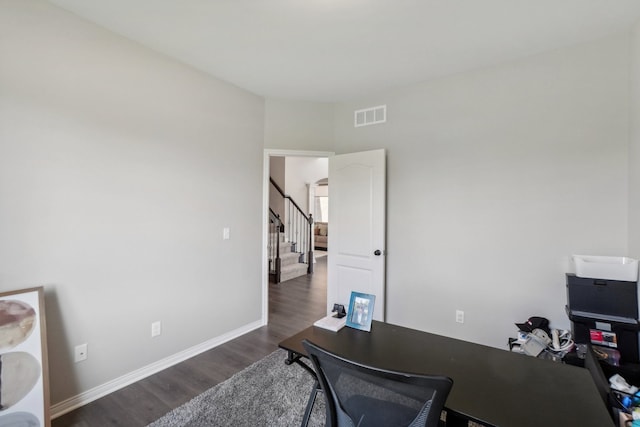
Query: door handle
[{"x": 377, "y": 252}]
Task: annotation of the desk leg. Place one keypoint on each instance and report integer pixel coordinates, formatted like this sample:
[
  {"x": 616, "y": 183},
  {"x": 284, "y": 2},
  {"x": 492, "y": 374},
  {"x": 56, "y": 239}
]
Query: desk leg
[
  {"x": 310, "y": 403},
  {"x": 297, "y": 358}
]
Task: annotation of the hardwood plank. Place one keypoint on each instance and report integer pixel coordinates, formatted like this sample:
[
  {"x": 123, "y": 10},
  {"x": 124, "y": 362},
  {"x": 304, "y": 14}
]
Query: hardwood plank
[{"x": 293, "y": 305}]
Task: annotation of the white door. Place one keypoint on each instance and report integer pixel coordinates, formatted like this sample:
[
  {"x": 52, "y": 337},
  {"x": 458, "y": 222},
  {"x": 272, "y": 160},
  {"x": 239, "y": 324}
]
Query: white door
[{"x": 356, "y": 249}]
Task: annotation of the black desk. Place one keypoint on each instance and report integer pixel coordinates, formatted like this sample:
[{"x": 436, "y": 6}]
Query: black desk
[{"x": 494, "y": 386}]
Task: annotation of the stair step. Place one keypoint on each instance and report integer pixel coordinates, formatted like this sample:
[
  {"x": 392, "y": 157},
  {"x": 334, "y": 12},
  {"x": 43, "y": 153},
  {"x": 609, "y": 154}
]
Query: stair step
[
  {"x": 292, "y": 271},
  {"x": 290, "y": 258},
  {"x": 285, "y": 247}
]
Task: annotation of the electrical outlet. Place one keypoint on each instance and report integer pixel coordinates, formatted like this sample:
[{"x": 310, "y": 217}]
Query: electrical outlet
[
  {"x": 459, "y": 316},
  {"x": 81, "y": 352},
  {"x": 156, "y": 329}
]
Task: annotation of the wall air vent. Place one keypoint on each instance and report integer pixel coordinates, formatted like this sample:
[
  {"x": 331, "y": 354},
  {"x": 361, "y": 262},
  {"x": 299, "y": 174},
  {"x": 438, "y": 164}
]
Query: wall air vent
[{"x": 370, "y": 116}]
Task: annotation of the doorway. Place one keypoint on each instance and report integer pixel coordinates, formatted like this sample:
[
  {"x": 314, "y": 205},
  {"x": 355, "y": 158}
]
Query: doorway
[{"x": 268, "y": 154}]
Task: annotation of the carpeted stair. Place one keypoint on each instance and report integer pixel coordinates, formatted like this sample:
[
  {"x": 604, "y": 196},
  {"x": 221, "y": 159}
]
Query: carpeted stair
[{"x": 290, "y": 262}]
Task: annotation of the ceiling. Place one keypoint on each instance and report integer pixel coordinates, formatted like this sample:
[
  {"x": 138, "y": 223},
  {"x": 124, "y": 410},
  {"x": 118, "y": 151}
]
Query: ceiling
[{"x": 335, "y": 50}]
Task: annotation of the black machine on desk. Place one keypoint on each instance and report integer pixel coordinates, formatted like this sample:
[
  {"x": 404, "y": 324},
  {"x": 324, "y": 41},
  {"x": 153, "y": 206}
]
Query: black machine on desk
[{"x": 604, "y": 313}]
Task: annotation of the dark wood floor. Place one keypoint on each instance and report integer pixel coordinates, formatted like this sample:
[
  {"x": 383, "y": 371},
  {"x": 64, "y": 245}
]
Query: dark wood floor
[{"x": 293, "y": 305}]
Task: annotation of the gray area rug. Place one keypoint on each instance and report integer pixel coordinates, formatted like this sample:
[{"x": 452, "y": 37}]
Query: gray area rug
[{"x": 267, "y": 393}]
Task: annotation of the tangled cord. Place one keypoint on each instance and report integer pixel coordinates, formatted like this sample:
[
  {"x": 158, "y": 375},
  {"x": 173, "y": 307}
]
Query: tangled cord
[{"x": 566, "y": 342}]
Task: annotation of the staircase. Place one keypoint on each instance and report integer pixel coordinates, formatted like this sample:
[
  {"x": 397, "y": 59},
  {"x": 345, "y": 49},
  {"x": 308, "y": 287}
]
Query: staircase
[
  {"x": 289, "y": 249},
  {"x": 290, "y": 265}
]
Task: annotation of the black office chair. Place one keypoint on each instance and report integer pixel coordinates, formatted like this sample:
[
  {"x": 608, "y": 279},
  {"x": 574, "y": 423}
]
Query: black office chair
[{"x": 359, "y": 395}]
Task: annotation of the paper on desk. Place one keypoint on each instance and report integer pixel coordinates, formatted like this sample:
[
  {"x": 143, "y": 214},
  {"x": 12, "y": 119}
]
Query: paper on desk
[{"x": 331, "y": 323}]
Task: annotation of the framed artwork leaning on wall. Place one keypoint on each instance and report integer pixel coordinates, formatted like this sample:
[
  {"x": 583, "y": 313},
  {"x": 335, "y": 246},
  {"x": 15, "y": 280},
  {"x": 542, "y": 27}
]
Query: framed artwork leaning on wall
[{"x": 24, "y": 369}]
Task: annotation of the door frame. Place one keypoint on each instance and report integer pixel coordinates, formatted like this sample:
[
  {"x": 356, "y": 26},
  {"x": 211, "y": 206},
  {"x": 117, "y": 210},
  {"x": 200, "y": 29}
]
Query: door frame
[{"x": 268, "y": 153}]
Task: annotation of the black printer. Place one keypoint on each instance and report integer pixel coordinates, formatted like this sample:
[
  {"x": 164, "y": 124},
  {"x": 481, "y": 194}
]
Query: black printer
[{"x": 605, "y": 313}]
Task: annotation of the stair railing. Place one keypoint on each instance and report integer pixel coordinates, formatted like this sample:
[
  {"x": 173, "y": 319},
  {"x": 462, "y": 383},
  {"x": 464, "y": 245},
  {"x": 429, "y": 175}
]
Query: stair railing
[
  {"x": 273, "y": 245},
  {"x": 297, "y": 230}
]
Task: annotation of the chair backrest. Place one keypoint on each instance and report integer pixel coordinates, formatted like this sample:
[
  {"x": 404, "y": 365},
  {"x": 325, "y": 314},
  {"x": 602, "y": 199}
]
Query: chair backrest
[
  {"x": 360, "y": 395},
  {"x": 593, "y": 365}
]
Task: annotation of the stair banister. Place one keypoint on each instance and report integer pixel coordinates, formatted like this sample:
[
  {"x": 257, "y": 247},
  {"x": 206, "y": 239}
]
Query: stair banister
[{"x": 298, "y": 232}]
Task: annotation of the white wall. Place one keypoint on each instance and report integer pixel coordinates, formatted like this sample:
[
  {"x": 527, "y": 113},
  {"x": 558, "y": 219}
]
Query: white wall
[
  {"x": 277, "y": 173},
  {"x": 495, "y": 177},
  {"x": 118, "y": 170},
  {"x": 298, "y": 125},
  {"x": 301, "y": 171},
  {"x": 634, "y": 147}
]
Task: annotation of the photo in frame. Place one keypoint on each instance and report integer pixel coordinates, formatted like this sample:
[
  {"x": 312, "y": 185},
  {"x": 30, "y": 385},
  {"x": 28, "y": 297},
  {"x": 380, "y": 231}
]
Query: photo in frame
[
  {"x": 24, "y": 372},
  {"x": 360, "y": 313}
]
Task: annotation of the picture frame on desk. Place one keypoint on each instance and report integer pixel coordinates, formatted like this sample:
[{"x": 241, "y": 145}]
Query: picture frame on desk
[{"x": 360, "y": 313}]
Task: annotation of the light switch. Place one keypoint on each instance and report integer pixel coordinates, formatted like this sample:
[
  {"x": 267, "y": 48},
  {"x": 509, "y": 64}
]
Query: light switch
[{"x": 225, "y": 233}]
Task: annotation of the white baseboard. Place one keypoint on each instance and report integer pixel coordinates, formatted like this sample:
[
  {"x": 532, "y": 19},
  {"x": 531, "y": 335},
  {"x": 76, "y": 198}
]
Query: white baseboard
[{"x": 97, "y": 392}]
